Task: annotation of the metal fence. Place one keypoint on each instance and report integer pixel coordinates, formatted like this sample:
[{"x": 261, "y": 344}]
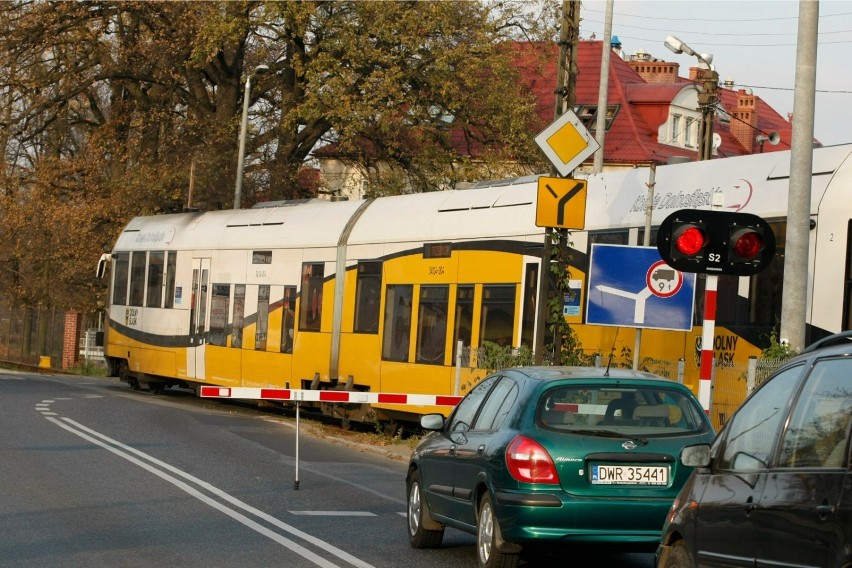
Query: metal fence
[{"x": 29, "y": 334}]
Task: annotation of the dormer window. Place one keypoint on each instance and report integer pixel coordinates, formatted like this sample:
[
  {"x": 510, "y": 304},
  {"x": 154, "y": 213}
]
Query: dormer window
[{"x": 588, "y": 115}]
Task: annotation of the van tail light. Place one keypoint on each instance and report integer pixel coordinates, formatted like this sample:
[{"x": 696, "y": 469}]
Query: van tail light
[{"x": 529, "y": 462}]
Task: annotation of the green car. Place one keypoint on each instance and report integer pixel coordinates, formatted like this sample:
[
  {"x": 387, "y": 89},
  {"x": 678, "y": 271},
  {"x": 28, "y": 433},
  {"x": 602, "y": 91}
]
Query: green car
[{"x": 558, "y": 455}]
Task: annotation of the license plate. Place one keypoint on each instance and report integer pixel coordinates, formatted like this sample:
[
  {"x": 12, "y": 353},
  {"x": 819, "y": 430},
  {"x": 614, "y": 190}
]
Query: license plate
[{"x": 630, "y": 475}]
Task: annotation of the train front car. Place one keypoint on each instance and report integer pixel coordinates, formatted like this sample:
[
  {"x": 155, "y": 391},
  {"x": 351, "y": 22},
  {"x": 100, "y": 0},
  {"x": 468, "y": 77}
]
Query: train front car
[{"x": 212, "y": 297}]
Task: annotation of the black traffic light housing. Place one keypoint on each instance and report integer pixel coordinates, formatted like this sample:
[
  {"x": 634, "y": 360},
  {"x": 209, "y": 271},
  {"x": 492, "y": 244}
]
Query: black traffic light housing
[{"x": 716, "y": 242}]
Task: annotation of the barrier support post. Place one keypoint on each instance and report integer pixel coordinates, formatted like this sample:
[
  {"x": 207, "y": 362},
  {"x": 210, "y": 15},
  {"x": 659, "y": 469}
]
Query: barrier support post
[{"x": 296, "y": 482}]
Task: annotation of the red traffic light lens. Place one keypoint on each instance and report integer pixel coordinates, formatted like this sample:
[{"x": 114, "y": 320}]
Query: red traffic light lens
[
  {"x": 747, "y": 243},
  {"x": 690, "y": 240}
]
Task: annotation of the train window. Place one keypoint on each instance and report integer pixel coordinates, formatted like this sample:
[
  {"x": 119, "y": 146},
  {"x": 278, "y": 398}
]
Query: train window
[
  {"x": 155, "y": 280},
  {"x": 397, "y": 330},
  {"x": 137, "y": 279},
  {"x": 262, "y": 327},
  {"x": 120, "y": 268},
  {"x": 288, "y": 309},
  {"x": 198, "y": 312},
  {"x": 529, "y": 313},
  {"x": 463, "y": 322},
  {"x": 367, "y": 297},
  {"x": 239, "y": 314},
  {"x": 432, "y": 324},
  {"x": 261, "y": 257},
  {"x": 219, "y": 301},
  {"x": 310, "y": 312},
  {"x": 498, "y": 315},
  {"x": 171, "y": 265},
  {"x": 609, "y": 238},
  {"x": 847, "y": 283},
  {"x": 652, "y": 239}
]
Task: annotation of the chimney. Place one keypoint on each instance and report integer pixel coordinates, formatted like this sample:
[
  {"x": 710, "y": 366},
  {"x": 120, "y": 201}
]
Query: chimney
[
  {"x": 654, "y": 71},
  {"x": 744, "y": 124}
]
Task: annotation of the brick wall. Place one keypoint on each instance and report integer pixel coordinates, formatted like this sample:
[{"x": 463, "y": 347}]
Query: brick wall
[{"x": 71, "y": 339}]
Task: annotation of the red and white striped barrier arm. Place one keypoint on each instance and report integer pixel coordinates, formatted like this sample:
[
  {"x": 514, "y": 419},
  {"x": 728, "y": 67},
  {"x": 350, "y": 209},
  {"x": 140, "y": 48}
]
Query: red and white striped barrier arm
[{"x": 352, "y": 397}]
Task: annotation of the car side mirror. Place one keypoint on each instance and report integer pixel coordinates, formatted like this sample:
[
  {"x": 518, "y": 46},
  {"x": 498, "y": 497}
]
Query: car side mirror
[
  {"x": 432, "y": 421},
  {"x": 696, "y": 456}
]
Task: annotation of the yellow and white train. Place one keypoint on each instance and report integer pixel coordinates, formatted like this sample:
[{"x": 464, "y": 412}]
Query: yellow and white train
[{"x": 374, "y": 295}]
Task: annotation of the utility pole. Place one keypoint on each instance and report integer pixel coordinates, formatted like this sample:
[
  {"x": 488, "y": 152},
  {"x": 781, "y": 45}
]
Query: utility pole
[
  {"x": 794, "y": 306},
  {"x": 565, "y": 97},
  {"x": 707, "y": 103},
  {"x": 603, "y": 89}
]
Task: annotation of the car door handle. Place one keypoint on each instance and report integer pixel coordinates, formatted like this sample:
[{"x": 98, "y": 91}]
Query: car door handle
[
  {"x": 824, "y": 510},
  {"x": 452, "y": 450},
  {"x": 750, "y": 506},
  {"x": 480, "y": 450}
]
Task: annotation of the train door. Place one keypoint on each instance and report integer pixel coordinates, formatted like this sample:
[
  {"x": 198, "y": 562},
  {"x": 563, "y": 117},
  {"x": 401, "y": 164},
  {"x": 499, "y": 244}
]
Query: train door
[{"x": 199, "y": 319}]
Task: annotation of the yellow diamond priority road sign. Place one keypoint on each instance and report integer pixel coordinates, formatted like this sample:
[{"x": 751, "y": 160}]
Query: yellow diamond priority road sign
[
  {"x": 561, "y": 203},
  {"x": 566, "y": 143}
]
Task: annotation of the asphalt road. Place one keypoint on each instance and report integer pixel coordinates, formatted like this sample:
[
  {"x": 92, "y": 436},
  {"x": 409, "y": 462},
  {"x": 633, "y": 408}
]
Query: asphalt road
[{"x": 95, "y": 474}]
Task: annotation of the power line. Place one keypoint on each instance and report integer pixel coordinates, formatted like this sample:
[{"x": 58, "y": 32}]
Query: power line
[
  {"x": 828, "y": 91},
  {"x": 722, "y": 20}
]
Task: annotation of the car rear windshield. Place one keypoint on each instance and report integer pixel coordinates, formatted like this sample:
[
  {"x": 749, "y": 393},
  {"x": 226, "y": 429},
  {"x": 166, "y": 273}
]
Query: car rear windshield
[{"x": 636, "y": 410}]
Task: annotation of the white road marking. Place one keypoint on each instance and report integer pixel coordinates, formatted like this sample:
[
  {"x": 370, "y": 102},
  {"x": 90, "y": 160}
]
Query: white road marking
[
  {"x": 125, "y": 452},
  {"x": 333, "y": 513}
]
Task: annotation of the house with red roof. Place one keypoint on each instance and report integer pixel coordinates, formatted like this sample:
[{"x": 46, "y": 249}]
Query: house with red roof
[{"x": 652, "y": 113}]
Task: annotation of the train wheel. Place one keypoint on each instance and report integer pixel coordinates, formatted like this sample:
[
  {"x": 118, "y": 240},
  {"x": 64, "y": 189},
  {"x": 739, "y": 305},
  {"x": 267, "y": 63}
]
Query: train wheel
[
  {"x": 125, "y": 376},
  {"x": 391, "y": 428}
]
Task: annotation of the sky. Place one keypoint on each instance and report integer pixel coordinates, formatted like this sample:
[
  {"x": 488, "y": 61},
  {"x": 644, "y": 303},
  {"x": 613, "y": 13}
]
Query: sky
[{"x": 752, "y": 42}]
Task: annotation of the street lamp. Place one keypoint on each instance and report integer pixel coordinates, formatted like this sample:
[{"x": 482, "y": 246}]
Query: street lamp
[
  {"x": 706, "y": 97},
  {"x": 238, "y": 189}
]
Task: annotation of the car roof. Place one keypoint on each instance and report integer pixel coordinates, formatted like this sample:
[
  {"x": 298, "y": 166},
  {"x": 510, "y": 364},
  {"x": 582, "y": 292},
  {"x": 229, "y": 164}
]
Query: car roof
[
  {"x": 565, "y": 372},
  {"x": 836, "y": 344}
]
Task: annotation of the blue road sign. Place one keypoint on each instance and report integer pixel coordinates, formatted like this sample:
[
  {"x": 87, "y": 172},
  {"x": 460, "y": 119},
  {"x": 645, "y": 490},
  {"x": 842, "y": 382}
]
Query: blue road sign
[{"x": 633, "y": 287}]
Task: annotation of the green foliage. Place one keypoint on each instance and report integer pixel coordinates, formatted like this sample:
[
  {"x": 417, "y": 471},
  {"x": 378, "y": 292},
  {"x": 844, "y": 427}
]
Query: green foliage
[
  {"x": 777, "y": 350},
  {"x": 568, "y": 346},
  {"x": 139, "y": 101},
  {"x": 493, "y": 356},
  {"x": 89, "y": 369}
]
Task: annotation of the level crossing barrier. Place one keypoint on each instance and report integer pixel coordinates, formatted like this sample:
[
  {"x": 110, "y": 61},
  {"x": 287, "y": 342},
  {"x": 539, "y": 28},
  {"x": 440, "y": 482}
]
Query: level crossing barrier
[{"x": 298, "y": 396}]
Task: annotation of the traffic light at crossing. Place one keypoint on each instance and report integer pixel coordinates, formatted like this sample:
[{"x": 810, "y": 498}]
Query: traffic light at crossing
[{"x": 715, "y": 242}]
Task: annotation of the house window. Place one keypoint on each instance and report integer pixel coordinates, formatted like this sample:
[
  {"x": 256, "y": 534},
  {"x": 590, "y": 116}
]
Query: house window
[
  {"x": 676, "y": 129},
  {"x": 688, "y": 133}
]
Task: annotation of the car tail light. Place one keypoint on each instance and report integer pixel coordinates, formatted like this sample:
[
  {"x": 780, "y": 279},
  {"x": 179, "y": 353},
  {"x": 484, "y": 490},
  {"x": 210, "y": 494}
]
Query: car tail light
[{"x": 529, "y": 462}]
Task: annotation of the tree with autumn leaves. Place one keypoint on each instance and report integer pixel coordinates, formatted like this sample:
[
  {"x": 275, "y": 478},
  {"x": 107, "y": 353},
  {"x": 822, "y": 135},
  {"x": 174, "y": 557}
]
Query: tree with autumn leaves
[{"x": 107, "y": 107}]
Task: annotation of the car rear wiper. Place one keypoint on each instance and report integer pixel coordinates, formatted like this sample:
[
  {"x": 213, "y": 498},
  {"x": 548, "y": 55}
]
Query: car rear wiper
[{"x": 610, "y": 434}]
